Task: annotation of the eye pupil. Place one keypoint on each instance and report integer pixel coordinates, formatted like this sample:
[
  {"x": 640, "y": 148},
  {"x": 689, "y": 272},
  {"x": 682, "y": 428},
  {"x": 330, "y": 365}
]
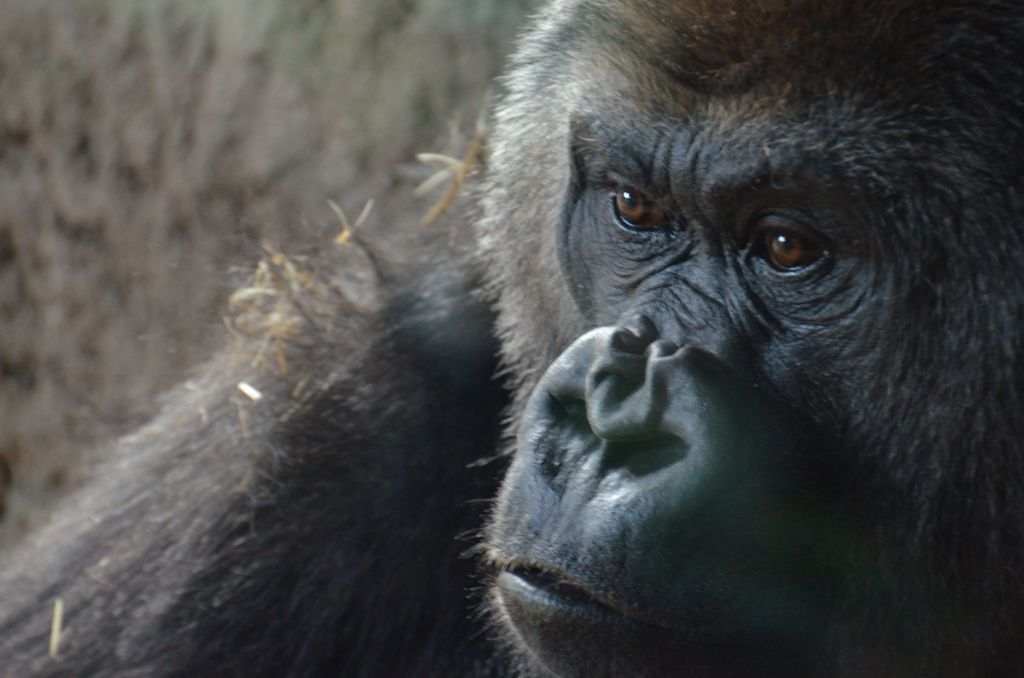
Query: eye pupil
[
  {"x": 638, "y": 212},
  {"x": 786, "y": 245}
]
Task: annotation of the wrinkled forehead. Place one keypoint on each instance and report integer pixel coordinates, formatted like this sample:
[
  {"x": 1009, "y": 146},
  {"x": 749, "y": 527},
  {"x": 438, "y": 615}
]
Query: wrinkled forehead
[{"x": 893, "y": 68}]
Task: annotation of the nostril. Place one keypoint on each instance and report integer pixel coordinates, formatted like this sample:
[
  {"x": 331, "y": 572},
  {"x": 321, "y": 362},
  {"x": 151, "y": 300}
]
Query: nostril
[
  {"x": 661, "y": 348},
  {"x": 635, "y": 336}
]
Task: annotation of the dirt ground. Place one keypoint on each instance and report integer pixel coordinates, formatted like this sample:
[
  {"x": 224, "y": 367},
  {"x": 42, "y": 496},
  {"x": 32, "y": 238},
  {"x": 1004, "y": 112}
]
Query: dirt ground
[{"x": 148, "y": 150}]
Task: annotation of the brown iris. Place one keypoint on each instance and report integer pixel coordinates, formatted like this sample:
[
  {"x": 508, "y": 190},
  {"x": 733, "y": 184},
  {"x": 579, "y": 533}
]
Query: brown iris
[
  {"x": 788, "y": 251},
  {"x": 636, "y": 210}
]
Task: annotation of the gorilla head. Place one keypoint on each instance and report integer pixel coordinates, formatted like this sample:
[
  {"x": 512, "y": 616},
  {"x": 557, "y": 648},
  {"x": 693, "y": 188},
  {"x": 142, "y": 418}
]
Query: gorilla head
[{"x": 776, "y": 427}]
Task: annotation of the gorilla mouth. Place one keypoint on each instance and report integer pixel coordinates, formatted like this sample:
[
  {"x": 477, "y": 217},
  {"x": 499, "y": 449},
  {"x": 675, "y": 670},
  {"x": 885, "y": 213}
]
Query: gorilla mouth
[
  {"x": 553, "y": 594},
  {"x": 571, "y": 630}
]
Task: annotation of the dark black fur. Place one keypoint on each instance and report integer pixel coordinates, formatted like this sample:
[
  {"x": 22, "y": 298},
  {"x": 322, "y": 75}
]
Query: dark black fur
[
  {"x": 871, "y": 521},
  {"x": 310, "y": 534}
]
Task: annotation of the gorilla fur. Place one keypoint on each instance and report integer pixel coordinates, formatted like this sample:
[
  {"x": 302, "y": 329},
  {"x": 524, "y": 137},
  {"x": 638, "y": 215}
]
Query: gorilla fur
[
  {"x": 196, "y": 549},
  {"x": 313, "y": 531}
]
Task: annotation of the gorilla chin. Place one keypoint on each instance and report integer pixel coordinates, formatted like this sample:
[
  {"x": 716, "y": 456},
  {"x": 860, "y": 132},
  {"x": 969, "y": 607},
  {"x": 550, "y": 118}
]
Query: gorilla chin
[{"x": 554, "y": 619}]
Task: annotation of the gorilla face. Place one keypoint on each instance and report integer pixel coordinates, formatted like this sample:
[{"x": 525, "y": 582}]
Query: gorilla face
[
  {"x": 668, "y": 476},
  {"x": 670, "y": 497},
  {"x": 774, "y": 265}
]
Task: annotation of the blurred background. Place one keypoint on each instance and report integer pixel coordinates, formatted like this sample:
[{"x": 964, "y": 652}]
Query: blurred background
[{"x": 148, "y": 150}]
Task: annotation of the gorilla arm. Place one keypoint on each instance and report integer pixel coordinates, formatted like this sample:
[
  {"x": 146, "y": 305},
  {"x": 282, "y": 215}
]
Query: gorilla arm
[{"x": 312, "y": 529}]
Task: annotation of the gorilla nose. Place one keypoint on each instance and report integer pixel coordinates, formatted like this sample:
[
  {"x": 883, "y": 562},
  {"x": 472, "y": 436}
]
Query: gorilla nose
[
  {"x": 623, "y": 380},
  {"x": 623, "y": 404},
  {"x": 626, "y": 389}
]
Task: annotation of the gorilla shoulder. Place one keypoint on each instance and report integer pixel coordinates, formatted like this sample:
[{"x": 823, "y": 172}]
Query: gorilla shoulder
[{"x": 306, "y": 529}]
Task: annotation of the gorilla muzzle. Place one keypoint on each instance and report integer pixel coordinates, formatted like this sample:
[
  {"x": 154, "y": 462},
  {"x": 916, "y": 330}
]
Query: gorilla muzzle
[{"x": 653, "y": 480}]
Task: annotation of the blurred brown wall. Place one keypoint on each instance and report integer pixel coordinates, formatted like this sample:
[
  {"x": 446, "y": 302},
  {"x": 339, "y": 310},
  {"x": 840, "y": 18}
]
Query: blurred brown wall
[{"x": 148, "y": 148}]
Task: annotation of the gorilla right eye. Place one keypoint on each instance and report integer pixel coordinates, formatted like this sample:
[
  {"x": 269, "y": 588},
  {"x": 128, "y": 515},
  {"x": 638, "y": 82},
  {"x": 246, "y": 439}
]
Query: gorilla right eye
[{"x": 636, "y": 211}]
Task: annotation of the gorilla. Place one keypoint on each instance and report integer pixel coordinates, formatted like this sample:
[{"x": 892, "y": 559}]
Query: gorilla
[{"x": 725, "y": 378}]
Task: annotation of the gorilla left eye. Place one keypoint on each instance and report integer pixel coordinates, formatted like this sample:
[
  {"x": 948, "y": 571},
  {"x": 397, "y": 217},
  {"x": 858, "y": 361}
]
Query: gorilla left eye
[
  {"x": 635, "y": 210},
  {"x": 787, "y": 250}
]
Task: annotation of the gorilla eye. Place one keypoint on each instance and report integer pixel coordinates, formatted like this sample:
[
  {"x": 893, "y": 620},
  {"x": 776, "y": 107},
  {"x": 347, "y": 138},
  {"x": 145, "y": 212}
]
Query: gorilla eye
[
  {"x": 787, "y": 250},
  {"x": 635, "y": 210}
]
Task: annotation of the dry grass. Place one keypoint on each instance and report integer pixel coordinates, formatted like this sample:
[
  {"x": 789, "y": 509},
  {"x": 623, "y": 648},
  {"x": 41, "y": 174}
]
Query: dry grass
[
  {"x": 56, "y": 626},
  {"x": 454, "y": 170},
  {"x": 281, "y": 302}
]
